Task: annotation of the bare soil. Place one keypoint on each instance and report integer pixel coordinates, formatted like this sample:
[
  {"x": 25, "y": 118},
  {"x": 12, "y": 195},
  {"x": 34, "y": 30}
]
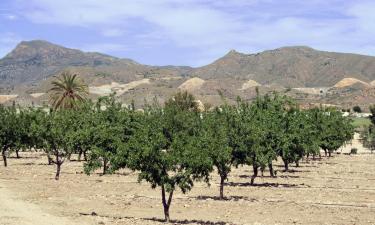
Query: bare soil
[{"x": 339, "y": 190}]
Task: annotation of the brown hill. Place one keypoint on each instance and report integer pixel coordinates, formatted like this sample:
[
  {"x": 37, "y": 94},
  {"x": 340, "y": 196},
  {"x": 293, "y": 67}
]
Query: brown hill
[
  {"x": 301, "y": 72},
  {"x": 350, "y": 82},
  {"x": 32, "y": 62},
  {"x": 291, "y": 67}
]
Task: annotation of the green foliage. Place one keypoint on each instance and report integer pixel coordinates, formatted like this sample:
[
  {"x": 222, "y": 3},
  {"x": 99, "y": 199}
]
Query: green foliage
[
  {"x": 67, "y": 91},
  {"x": 216, "y": 140},
  {"x": 335, "y": 129},
  {"x": 167, "y": 152},
  {"x": 361, "y": 122},
  {"x": 108, "y": 127},
  {"x": 368, "y": 138},
  {"x": 57, "y": 126},
  {"x": 9, "y": 135},
  {"x": 174, "y": 146},
  {"x": 372, "y": 117}
]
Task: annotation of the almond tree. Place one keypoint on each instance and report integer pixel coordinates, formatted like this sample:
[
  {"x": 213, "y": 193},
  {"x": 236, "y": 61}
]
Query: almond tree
[
  {"x": 167, "y": 152},
  {"x": 9, "y": 137},
  {"x": 215, "y": 138},
  {"x": 337, "y": 130},
  {"x": 56, "y": 127},
  {"x": 110, "y": 129},
  {"x": 267, "y": 114}
]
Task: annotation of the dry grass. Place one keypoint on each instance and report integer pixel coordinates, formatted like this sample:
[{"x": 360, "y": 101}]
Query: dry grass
[{"x": 349, "y": 82}]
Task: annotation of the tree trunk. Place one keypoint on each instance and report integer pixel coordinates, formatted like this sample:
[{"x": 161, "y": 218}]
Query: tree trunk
[
  {"x": 297, "y": 163},
  {"x": 57, "y": 177},
  {"x": 272, "y": 174},
  {"x": 79, "y": 155},
  {"x": 325, "y": 152},
  {"x": 84, "y": 155},
  {"x": 222, "y": 180},
  {"x": 255, "y": 174},
  {"x": 105, "y": 166},
  {"x": 17, "y": 155},
  {"x": 286, "y": 165},
  {"x": 329, "y": 154},
  {"x": 58, "y": 166},
  {"x": 50, "y": 161},
  {"x": 166, "y": 203},
  {"x": 3, "y": 153}
]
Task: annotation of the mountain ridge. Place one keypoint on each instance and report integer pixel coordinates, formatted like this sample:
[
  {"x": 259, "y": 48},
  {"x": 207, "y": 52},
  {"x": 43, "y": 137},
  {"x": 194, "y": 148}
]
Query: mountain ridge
[{"x": 30, "y": 67}]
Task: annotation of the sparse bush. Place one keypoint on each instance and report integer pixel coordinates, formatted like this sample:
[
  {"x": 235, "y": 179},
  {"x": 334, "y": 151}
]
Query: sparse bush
[{"x": 353, "y": 151}]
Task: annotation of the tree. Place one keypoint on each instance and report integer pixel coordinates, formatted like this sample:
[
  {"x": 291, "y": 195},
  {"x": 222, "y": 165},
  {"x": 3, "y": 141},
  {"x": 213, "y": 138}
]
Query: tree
[
  {"x": 111, "y": 128},
  {"x": 372, "y": 116},
  {"x": 167, "y": 152},
  {"x": 302, "y": 136},
  {"x": 39, "y": 132},
  {"x": 67, "y": 91},
  {"x": 357, "y": 109},
  {"x": 216, "y": 141},
  {"x": 269, "y": 136},
  {"x": 336, "y": 130},
  {"x": 23, "y": 130},
  {"x": 183, "y": 101},
  {"x": 368, "y": 138},
  {"x": 9, "y": 137},
  {"x": 56, "y": 129}
]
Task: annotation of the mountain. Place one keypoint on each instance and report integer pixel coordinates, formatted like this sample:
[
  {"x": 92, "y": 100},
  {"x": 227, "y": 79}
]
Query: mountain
[
  {"x": 292, "y": 67},
  {"x": 304, "y": 73},
  {"x": 34, "y": 61}
]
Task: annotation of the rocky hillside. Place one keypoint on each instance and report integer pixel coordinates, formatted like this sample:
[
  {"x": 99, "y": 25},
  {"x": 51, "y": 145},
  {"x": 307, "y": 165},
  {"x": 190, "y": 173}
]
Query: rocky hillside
[
  {"x": 31, "y": 62},
  {"x": 302, "y": 72},
  {"x": 292, "y": 67}
]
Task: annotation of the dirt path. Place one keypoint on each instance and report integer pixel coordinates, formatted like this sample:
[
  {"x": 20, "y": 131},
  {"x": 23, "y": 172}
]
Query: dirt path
[{"x": 16, "y": 211}]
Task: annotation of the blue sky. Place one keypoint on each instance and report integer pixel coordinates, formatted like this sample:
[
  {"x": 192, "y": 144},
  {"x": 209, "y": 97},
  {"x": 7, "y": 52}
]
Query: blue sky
[{"x": 189, "y": 32}]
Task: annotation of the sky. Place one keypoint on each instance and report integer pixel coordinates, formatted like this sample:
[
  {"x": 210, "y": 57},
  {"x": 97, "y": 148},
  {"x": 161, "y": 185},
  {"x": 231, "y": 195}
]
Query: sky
[{"x": 189, "y": 32}]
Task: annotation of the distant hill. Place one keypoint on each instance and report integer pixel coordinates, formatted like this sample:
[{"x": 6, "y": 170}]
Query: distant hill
[
  {"x": 304, "y": 73},
  {"x": 34, "y": 61},
  {"x": 291, "y": 67}
]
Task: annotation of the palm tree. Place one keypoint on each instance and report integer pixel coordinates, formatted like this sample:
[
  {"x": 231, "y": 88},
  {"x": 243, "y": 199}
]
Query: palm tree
[{"x": 67, "y": 91}]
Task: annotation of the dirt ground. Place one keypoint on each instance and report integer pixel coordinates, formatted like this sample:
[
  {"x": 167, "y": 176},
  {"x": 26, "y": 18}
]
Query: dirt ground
[{"x": 339, "y": 190}]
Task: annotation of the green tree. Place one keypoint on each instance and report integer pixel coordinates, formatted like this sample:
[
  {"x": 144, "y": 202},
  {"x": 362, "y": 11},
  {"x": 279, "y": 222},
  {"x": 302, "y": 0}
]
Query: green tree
[
  {"x": 111, "y": 129},
  {"x": 56, "y": 129},
  {"x": 216, "y": 141},
  {"x": 336, "y": 131},
  {"x": 368, "y": 138},
  {"x": 372, "y": 116},
  {"x": 9, "y": 136},
  {"x": 268, "y": 113},
  {"x": 167, "y": 151},
  {"x": 67, "y": 91}
]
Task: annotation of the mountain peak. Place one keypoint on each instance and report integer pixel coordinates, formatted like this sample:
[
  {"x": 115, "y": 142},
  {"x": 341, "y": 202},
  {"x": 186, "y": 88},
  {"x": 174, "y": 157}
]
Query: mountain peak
[
  {"x": 31, "y": 49},
  {"x": 232, "y": 53},
  {"x": 36, "y": 43},
  {"x": 295, "y": 49}
]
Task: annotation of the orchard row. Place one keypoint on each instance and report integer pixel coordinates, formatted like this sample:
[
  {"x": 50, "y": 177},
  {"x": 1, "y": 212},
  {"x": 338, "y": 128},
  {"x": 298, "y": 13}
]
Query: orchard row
[{"x": 174, "y": 145}]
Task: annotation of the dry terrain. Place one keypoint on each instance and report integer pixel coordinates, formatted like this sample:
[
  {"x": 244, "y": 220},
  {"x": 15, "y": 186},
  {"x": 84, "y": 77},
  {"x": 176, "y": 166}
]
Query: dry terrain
[{"x": 339, "y": 190}]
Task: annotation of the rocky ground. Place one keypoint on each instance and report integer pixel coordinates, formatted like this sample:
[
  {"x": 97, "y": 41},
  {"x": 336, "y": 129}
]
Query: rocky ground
[{"x": 339, "y": 190}]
